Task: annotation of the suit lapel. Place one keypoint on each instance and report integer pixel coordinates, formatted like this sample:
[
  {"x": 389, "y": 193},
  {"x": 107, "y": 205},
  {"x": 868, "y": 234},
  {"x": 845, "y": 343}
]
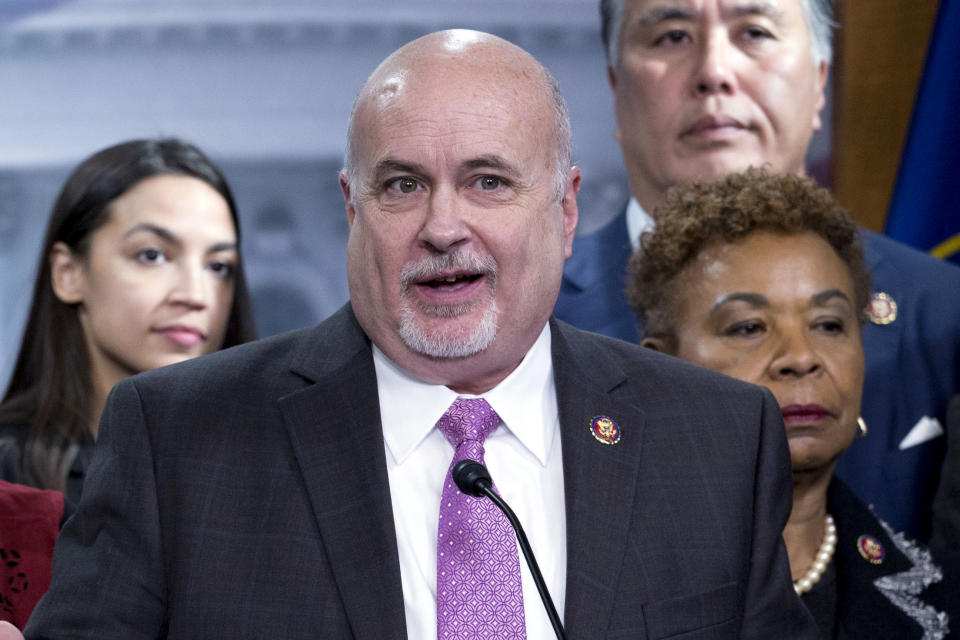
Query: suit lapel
[
  {"x": 600, "y": 480},
  {"x": 862, "y": 607},
  {"x": 334, "y": 426}
]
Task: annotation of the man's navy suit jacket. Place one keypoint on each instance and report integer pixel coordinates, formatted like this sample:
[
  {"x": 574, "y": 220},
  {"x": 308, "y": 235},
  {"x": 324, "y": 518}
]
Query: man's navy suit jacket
[
  {"x": 245, "y": 495},
  {"x": 913, "y": 363}
]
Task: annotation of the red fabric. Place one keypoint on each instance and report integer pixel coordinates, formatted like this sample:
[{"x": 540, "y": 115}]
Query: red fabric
[{"x": 29, "y": 523}]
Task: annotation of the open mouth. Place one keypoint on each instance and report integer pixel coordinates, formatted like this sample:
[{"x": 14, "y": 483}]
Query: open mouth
[
  {"x": 451, "y": 282},
  {"x": 453, "y": 278}
]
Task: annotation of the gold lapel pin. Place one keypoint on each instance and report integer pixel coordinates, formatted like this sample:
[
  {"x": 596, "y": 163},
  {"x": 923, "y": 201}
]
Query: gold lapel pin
[
  {"x": 882, "y": 308},
  {"x": 871, "y": 549},
  {"x": 605, "y": 430}
]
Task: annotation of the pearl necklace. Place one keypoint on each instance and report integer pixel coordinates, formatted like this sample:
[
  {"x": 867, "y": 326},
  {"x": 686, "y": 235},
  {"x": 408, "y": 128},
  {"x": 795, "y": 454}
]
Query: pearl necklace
[{"x": 820, "y": 561}]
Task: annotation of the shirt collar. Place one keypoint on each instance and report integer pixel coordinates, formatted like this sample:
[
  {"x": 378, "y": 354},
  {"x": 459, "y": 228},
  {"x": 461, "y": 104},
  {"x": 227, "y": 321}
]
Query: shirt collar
[
  {"x": 410, "y": 408},
  {"x": 638, "y": 221}
]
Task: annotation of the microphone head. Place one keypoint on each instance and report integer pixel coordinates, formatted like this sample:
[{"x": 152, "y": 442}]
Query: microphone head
[{"x": 471, "y": 477}]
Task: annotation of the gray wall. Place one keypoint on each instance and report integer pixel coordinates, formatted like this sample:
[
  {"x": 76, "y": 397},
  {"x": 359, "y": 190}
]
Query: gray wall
[{"x": 265, "y": 89}]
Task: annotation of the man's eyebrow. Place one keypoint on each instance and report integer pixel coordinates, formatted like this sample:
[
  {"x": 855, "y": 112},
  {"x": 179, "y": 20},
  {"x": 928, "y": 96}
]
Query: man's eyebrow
[
  {"x": 769, "y": 9},
  {"x": 755, "y": 299},
  {"x": 492, "y": 161},
  {"x": 391, "y": 165},
  {"x": 825, "y": 296},
  {"x": 495, "y": 162},
  {"x": 662, "y": 13}
]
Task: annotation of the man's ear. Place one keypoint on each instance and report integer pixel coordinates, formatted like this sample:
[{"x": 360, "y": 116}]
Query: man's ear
[
  {"x": 66, "y": 274},
  {"x": 657, "y": 344},
  {"x": 612, "y": 79},
  {"x": 823, "y": 75},
  {"x": 571, "y": 212},
  {"x": 345, "y": 187}
]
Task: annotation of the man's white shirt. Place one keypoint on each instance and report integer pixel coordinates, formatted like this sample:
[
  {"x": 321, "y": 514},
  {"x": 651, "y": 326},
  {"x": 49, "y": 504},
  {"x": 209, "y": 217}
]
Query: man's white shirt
[
  {"x": 524, "y": 458},
  {"x": 638, "y": 221}
]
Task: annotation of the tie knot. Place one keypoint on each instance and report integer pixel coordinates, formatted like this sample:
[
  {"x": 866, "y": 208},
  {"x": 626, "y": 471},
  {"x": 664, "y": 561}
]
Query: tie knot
[{"x": 468, "y": 419}]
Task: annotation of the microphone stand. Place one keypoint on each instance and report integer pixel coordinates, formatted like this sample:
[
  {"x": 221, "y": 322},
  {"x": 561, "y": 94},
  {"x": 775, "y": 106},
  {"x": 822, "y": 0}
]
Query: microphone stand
[{"x": 473, "y": 479}]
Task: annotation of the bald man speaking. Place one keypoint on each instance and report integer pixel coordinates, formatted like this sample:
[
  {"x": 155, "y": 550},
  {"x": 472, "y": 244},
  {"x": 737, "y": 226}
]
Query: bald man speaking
[{"x": 300, "y": 487}]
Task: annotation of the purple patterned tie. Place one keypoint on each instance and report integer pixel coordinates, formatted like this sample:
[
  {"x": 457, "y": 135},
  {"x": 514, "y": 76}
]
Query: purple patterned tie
[{"x": 478, "y": 571}]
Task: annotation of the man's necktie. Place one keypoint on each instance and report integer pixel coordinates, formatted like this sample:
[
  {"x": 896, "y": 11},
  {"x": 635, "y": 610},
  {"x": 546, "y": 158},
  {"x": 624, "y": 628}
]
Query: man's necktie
[{"x": 478, "y": 571}]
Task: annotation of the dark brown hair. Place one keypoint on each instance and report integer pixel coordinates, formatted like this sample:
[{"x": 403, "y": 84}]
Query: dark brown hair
[
  {"x": 696, "y": 215},
  {"x": 50, "y": 390}
]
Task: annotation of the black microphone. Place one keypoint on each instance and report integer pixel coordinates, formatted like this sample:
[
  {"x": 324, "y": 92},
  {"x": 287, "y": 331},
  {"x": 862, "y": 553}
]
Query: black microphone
[{"x": 473, "y": 479}]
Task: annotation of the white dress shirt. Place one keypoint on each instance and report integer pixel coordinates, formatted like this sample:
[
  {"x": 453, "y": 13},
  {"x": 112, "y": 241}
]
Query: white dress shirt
[
  {"x": 638, "y": 221},
  {"x": 524, "y": 459}
]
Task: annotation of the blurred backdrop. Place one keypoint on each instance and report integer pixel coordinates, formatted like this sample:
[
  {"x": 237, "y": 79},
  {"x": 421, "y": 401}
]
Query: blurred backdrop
[{"x": 265, "y": 88}]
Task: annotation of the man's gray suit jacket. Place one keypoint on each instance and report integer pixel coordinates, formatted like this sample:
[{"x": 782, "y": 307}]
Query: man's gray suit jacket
[{"x": 245, "y": 495}]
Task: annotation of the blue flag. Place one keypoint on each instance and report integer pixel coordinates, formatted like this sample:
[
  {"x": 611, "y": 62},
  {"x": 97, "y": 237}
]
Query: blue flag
[{"x": 925, "y": 210}]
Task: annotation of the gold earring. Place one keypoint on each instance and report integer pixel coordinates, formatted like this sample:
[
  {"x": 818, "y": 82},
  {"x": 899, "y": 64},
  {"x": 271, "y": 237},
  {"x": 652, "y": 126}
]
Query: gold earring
[{"x": 861, "y": 426}]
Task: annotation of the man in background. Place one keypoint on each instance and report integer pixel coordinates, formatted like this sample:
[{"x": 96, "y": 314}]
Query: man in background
[{"x": 707, "y": 87}]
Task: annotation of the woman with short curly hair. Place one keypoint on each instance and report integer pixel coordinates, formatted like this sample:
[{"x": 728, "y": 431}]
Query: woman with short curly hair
[{"x": 761, "y": 277}]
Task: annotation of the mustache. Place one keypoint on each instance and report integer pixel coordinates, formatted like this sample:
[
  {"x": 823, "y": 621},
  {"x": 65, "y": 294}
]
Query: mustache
[{"x": 459, "y": 262}]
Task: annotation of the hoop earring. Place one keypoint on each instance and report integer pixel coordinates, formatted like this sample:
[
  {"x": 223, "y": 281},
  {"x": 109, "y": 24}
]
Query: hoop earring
[{"x": 861, "y": 427}]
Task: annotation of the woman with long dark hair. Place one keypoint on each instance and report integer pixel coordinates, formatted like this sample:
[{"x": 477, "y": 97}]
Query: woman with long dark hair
[{"x": 140, "y": 268}]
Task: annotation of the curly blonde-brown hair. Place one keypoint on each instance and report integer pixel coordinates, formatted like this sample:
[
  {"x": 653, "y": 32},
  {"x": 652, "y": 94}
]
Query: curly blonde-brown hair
[{"x": 726, "y": 210}]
